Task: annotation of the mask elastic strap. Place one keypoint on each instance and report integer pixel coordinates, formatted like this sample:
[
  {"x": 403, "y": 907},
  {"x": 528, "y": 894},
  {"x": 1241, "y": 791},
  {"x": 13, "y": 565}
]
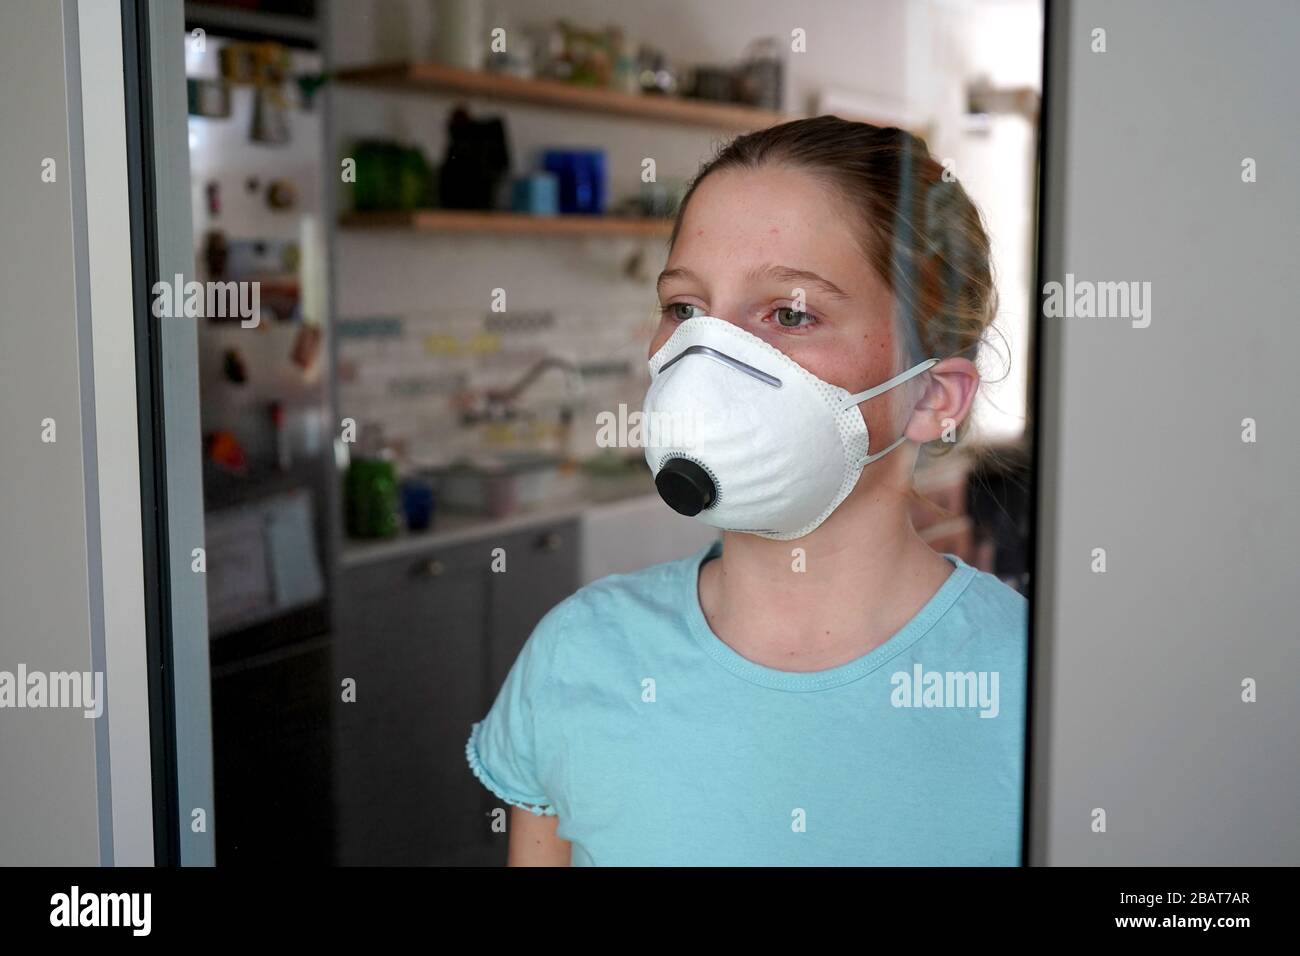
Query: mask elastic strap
[
  {"x": 881, "y": 454},
  {"x": 898, "y": 379},
  {"x": 885, "y": 386}
]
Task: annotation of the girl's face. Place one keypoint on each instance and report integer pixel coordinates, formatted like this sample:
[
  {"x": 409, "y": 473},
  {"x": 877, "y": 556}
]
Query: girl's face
[{"x": 749, "y": 240}]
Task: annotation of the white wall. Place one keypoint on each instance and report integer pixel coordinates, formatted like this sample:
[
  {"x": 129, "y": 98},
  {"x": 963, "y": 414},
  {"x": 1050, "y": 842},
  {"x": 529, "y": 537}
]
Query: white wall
[
  {"x": 1140, "y": 669},
  {"x": 996, "y": 162},
  {"x": 55, "y": 800}
]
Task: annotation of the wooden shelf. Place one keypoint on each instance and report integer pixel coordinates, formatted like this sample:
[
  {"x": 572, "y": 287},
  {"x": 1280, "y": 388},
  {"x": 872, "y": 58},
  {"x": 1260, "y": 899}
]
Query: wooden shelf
[
  {"x": 249, "y": 24},
  {"x": 435, "y": 77},
  {"x": 485, "y": 222}
]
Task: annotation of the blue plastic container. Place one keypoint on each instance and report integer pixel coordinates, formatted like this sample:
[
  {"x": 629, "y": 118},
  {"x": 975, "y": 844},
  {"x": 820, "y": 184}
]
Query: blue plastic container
[{"x": 581, "y": 176}]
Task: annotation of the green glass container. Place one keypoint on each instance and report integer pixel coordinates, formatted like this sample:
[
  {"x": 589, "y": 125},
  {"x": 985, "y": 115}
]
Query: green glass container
[
  {"x": 370, "y": 497},
  {"x": 390, "y": 177}
]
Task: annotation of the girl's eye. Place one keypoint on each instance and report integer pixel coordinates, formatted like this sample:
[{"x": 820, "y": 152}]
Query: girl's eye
[
  {"x": 790, "y": 318},
  {"x": 675, "y": 311}
]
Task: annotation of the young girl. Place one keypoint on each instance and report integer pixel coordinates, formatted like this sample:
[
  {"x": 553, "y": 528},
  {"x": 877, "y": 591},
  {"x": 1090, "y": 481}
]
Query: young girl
[{"x": 819, "y": 687}]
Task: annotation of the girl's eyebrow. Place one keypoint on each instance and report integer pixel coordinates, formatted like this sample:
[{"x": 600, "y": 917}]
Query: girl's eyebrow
[
  {"x": 678, "y": 273},
  {"x": 770, "y": 271},
  {"x": 789, "y": 274}
]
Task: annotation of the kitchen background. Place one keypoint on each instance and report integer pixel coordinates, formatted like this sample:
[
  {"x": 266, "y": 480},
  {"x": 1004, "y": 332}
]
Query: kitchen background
[{"x": 456, "y": 256}]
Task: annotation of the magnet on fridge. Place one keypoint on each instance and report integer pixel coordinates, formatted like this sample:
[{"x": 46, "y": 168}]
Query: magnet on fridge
[
  {"x": 306, "y": 346},
  {"x": 234, "y": 367},
  {"x": 208, "y": 98}
]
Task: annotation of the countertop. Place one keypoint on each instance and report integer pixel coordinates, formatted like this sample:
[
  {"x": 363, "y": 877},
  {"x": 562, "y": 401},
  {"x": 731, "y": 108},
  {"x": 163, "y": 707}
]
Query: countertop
[{"x": 575, "y": 495}]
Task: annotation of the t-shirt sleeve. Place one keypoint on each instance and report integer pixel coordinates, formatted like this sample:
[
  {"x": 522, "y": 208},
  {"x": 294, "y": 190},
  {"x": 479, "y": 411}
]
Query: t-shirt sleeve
[{"x": 501, "y": 749}]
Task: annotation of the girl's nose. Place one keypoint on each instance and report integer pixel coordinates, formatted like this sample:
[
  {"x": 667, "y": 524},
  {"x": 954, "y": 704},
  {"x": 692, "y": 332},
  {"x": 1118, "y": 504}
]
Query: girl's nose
[{"x": 735, "y": 315}]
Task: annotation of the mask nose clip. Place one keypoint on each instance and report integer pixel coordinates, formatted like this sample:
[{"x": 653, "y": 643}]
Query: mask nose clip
[{"x": 685, "y": 487}]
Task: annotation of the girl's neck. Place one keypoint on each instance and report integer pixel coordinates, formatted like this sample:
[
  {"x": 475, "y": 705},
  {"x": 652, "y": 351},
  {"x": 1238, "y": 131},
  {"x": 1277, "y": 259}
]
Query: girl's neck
[{"x": 826, "y": 598}]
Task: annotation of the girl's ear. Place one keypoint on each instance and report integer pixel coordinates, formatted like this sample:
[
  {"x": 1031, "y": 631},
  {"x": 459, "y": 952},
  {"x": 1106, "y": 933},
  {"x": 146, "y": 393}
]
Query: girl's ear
[{"x": 949, "y": 391}]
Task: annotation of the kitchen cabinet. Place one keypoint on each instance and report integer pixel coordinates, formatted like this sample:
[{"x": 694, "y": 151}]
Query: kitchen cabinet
[
  {"x": 271, "y": 757},
  {"x": 541, "y": 569},
  {"x": 428, "y": 639}
]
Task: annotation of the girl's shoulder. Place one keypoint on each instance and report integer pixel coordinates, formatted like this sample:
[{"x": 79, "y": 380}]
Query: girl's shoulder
[
  {"x": 997, "y": 595},
  {"x": 597, "y": 614},
  {"x": 991, "y": 611},
  {"x": 641, "y": 596}
]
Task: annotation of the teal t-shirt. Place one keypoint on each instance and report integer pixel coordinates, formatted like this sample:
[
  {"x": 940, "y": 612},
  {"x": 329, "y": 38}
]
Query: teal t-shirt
[{"x": 656, "y": 743}]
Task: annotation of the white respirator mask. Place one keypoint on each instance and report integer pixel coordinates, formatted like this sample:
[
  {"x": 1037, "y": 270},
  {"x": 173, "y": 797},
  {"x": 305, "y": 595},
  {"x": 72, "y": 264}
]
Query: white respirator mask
[{"x": 744, "y": 438}]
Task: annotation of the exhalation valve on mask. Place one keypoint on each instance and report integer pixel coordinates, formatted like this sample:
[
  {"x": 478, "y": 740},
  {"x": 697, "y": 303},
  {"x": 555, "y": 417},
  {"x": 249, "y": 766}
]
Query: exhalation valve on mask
[
  {"x": 686, "y": 487},
  {"x": 757, "y": 443}
]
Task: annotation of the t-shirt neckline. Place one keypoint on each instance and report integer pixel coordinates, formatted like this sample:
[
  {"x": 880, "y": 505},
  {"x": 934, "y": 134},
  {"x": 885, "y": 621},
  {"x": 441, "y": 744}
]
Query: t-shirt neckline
[{"x": 743, "y": 667}]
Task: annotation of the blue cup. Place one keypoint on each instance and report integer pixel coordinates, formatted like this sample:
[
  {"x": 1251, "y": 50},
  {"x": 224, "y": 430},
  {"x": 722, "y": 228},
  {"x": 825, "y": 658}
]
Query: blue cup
[
  {"x": 417, "y": 504},
  {"x": 537, "y": 194}
]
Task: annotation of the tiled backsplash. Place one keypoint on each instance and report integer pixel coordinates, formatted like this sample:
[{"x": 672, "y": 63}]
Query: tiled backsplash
[{"x": 408, "y": 374}]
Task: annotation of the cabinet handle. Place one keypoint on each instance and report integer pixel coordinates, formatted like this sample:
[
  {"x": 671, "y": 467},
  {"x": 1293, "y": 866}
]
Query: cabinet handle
[
  {"x": 551, "y": 541},
  {"x": 434, "y": 568}
]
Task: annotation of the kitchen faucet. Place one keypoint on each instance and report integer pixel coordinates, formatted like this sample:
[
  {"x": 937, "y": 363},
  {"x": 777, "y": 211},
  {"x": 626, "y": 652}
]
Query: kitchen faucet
[{"x": 499, "y": 403}]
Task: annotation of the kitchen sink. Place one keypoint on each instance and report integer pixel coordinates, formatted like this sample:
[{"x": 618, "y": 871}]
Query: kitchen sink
[{"x": 496, "y": 484}]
